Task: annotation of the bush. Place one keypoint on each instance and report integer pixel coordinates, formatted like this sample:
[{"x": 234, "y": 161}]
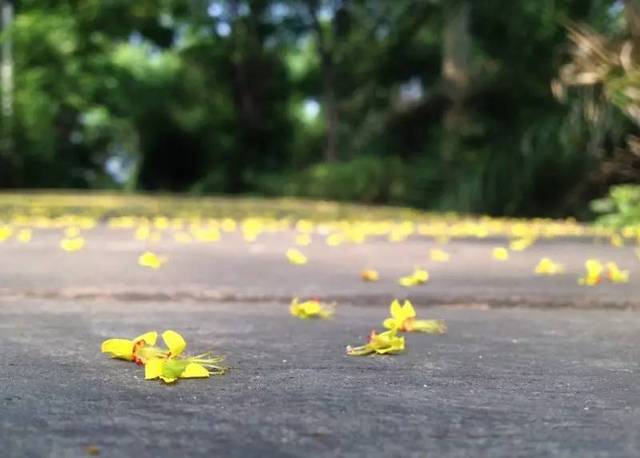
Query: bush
[
  {"x": 620, "y": 208},
  {"x": 364, "y": 179}
]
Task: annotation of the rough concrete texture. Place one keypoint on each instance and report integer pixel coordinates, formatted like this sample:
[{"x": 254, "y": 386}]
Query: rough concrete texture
[{"x": 507, "y": 382}]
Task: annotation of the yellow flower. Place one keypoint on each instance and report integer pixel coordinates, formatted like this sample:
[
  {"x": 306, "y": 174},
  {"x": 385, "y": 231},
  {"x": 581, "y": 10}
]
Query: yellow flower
[
  {"x": 418, "y": 277},
  {"x": 439, "y": 255},
  {"x": 142, "y": 232},
  {"x": 73, "y": 244},
  {"x": 500, "y": 253},
  {"x": 24, "y": 236},
  {"x": 520, "y": 244},
  {"x": 594, "y": 273},
  {"x": 173, "y": 365},
  {"x": 334, "y": 239},
  {"x": 617, "y": 240},
  {"x": 369, "y": 275},
  {"x": 310, "y": 309},
  {"x": 5, "y": 233},
  {"x": 138, "y": 350},
  {"x": 615, "y": 274},
  {"x": 386, "y": 343},
  {"x": 296, "y": 257},
  {"x": 403, "y": 318},
  {"x": 151, "y": 260},
  {"x": 547, "y": 267}
]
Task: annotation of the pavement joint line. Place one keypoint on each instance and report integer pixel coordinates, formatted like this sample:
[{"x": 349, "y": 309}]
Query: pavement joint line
[{"x": 424, "y": 299}]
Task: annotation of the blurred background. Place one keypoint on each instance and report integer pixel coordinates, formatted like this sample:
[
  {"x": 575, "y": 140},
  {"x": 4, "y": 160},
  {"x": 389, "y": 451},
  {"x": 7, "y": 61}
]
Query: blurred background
[{"x": 496, "y": 106}]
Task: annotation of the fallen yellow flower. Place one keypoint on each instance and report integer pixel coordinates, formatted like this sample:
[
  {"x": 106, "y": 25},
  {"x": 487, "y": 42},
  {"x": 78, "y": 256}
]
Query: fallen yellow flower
[
  {"x": 310, "y": 309},
  {"x": 438, "y": 255},
  {"x": 5, "y": 233},
  {"x": 296, "y": 257},
  {"x": 174, "y": 366},
  {"x": 548, "y": 267},
  {"x": 369, "y": 275},
  {"x": 386, "y": 343},
  {"x": 138, "y": 350},
  {"x": 617, "y": 240},
  {"x": 403, "y": 318},
  {"x": 73, "y": 244},
  {"x": 24, "y": 236},
  {"x": 594, "y": 273},
  {"x": 418, "y": 277},
  {"x": 520, "y": 244},
  {"x": 500, "y": 253},
  {"x": 151, "y": 260},
  {"x": 615, "y": 274},
  {"x": 334, "y": 239}
]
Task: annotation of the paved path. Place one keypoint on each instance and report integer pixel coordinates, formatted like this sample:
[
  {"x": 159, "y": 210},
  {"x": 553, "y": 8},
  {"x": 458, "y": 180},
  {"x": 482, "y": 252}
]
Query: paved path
[
  {"x": 516, "y": 381},
  {"x": 234, "y": 269},
  {"x": 502, "y": 382}
]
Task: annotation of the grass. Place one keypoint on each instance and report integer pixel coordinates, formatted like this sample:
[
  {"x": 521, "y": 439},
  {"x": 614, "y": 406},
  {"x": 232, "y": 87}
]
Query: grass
[{"x": 103, "y": 205}]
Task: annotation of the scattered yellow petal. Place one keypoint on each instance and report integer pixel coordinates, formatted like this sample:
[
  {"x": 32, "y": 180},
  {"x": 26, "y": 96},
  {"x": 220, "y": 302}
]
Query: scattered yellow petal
[
  {"x": 296, "y": 257},
  {"x": 71, "y": 245},
  {"x": 334, "y": 239},
  {"x": 369, "y": 275},
  {"x": 520, "y": 244},
  {"x": 594, "y": 273},
  {"x": 24, "y": 236},
  {"x": 151, "y": 260},
  {"x": 310, "y": 309},
  {"x": 500, "y": 253},
  {"x": 548, "y": 267},
  {"x": 403, "y": 318},
  {"x": 615, "y": 274},
  {"x": 438, "y": 255},
  {"x": 5, "y": 233},
  {"x": 303, "y": 239},
  {"x": 174, "y": 342},
  {"x": 385, "y": 343},
  {"x": 617, "y": 240},
  {"x": 418, "y": 277}
]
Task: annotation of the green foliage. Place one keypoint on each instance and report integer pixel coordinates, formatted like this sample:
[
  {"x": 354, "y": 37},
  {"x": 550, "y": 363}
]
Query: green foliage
[
  {"x": 621, "y": 207},
  {"x": 364, "y": 179},
  {"x": 209, "y": 97}
]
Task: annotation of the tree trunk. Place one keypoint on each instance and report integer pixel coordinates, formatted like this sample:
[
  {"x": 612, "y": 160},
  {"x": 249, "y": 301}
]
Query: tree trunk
[
  {"x": 632, "y": 15},
  {"x": 330, "y": 108},
  {"x": 327, "y": 68},
  {"x": 8, "y": 159},
  {"x": 456, "y": 44}
]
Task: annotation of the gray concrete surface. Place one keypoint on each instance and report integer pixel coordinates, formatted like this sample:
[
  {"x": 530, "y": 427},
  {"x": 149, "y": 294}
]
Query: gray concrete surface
[
  {"x": 557, "y": 379},
  {"x": 234, "y": 269},
  {"x": 506, "y": 382}
]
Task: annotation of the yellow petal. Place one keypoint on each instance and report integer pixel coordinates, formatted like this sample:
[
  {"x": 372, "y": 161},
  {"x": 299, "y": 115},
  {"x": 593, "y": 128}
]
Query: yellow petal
[
  {"x": 119, "y": 348},
  {"x": 194, "y": 370},
  {"x": 153, "y": 369},
  {"x": 396, "y": 309},
  {"x": 174, "y": 342},
  {"x": 148, "y": 337},
  {"x": 407, "y": 310},
  {"x": 390, "y": 323}
]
